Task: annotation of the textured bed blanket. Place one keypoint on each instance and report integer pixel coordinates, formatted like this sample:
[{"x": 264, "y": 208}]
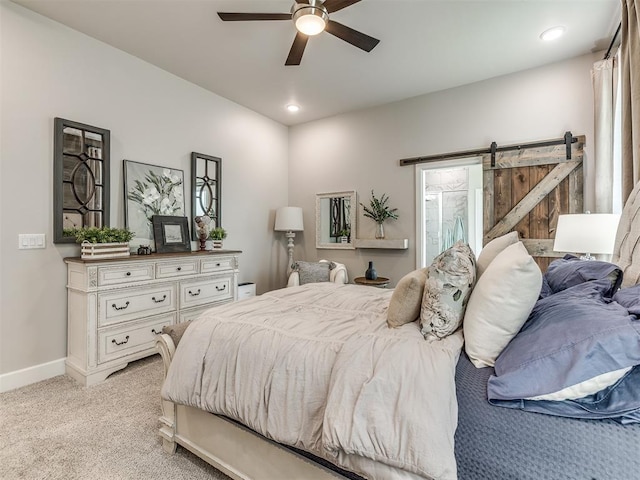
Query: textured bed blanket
[{"x": 317, "y": 368}]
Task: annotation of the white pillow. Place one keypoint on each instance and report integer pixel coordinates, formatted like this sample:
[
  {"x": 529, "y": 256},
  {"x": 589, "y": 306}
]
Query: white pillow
[
  {"x": 588, "y": 387},
  {"x": 492, "y": 249},
  {"x": 500, "y": 304}
]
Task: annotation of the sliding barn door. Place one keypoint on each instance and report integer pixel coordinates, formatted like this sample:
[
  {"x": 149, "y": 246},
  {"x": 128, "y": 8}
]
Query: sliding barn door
[{"x": 526, "y": 190}]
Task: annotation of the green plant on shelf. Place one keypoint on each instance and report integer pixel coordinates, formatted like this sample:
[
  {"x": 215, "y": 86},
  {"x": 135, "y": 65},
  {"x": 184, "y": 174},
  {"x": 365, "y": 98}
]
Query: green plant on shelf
[
  {"x": 378, "y": 210},
  {"x": 218, "y": 233},
  {"x": 99, "y": 235}
]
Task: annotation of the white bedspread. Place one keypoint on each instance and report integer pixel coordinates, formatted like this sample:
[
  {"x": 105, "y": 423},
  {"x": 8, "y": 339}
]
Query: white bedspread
[{"x": 317, "y": 368}]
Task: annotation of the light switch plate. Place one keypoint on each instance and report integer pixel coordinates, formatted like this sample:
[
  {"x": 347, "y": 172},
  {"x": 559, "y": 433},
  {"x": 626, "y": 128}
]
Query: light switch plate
[{"x": 27, "y": 241}]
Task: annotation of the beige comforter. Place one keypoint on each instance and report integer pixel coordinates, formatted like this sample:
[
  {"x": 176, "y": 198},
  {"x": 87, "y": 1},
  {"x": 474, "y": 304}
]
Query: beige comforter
[{"x": 317, "y": 368}]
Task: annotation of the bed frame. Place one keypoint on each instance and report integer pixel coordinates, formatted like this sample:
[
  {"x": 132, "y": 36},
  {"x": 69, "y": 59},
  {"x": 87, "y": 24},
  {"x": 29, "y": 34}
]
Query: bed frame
[
  {"x": 233, "y": 449},
  {"x": 245, "y": 455}
]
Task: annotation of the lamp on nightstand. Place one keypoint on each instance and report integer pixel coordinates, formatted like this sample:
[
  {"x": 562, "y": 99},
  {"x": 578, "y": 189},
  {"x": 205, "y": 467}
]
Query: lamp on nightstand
[
  {"x": 289, "y": 220},
  {"x": 586, "y": 233}
]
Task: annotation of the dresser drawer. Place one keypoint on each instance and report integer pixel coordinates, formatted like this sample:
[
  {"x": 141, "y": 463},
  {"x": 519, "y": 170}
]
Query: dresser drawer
[
  {"x": 124, "y": 274},
  {"x": 219, "y": 264},
  {"x": 192, "y": 313},
  {"x": 205, "y": 291},
  {"x": 176, "y": 268},
  {"x": 132, "y": 303},
  {"x": 114, "y": 343}
]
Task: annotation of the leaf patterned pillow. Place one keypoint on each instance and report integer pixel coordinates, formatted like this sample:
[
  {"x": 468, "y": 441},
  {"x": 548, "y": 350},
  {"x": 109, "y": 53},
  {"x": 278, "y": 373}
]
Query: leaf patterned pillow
[{"x": 450, "y": 279}]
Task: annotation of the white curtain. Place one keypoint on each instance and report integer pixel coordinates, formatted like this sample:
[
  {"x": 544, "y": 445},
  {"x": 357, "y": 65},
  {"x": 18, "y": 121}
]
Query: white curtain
[
  {"x": 630, "y": 73},
  {"x": 605, "y": 77}
]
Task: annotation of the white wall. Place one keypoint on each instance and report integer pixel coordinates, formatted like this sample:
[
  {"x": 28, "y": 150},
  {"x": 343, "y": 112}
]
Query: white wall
[
  {"x": 48, "y": 71},
  {"x": 360, "y": 150}
]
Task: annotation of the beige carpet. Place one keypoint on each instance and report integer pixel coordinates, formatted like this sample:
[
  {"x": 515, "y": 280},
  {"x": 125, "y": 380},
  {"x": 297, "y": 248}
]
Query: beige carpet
[{"x": 57, "y": 429}]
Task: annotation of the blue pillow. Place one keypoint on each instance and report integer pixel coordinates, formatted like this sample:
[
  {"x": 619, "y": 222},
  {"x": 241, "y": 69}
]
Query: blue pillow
[
  {"x": 570, "y": 337},
  {"x": 629, "y": 298},
  {"x": 570, "y": 271}
]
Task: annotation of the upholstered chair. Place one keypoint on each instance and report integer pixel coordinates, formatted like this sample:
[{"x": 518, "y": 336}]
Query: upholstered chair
[{"x": 338, "y": 274}]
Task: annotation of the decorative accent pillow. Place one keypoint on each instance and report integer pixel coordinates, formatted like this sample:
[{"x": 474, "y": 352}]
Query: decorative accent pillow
[
  {"x": 500, "y": 304},
  {"x": 450, "y": 279},
  {"x": 313, "y": 272},
  {"x": 404, "y": 306},
  {"x": 176, "y": 331},
  {"x": 493, "y": 248}
]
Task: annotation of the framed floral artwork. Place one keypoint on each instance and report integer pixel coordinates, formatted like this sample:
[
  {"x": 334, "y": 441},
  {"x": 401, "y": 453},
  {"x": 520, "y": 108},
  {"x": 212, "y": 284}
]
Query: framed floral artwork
[{"x": 150, "y": 190}]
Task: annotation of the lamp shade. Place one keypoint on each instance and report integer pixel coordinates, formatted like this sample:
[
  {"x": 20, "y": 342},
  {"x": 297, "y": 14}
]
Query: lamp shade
[
  {"x": 289, "y": 219},
  {"x": 586, "y": 233}
]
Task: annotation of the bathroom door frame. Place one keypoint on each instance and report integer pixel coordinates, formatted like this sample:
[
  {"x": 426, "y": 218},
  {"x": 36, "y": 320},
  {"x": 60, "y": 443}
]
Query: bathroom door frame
[{"x": 420, "y": 170}]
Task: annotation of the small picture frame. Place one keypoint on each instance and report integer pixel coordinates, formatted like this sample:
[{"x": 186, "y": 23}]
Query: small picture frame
[{"x": 171, "y": 234}]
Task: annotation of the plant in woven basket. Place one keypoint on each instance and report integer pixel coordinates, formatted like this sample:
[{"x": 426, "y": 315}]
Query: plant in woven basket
[
  {"x": 100, "y": 235},
  {"x": 379, "y": 211}
]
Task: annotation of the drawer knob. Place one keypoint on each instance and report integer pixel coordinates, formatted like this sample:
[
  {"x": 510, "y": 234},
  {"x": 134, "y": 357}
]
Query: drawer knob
[
  {"x": 179, "y": 268},
  {"x": 115, "y": 307},
  {"x": 221, "y": 289},
  {"x": 126, "y": 339},
  {"x": 194, "y": 294},
  {"x": 128, "y": 274},
  {"x": 217, "y": 264},
  {"x": 153, "y": 330},
  {"x": 164, "y": 297}
]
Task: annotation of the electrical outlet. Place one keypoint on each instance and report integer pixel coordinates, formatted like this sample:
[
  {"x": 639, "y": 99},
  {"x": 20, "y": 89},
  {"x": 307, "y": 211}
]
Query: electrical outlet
[{"x": 27, "y": 241}]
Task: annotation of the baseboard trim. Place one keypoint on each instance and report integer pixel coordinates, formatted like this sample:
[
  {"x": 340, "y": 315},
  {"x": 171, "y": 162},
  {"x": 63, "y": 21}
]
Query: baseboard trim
[{"x": 27, "y": 376}]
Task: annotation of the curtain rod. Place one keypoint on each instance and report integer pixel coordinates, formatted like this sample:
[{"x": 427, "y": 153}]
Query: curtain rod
[
  {"x": 567, "y": 140},
  {"x": 615, "y": 35}
]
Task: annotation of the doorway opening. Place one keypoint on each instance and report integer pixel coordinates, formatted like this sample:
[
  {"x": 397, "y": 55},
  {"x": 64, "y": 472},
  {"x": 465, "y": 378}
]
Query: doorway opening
[{"x": 449, "y": 207}]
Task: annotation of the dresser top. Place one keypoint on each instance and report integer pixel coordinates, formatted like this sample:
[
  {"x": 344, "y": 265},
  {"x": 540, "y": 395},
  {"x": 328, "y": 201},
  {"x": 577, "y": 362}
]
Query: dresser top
[{"x": 153, "y": 256}]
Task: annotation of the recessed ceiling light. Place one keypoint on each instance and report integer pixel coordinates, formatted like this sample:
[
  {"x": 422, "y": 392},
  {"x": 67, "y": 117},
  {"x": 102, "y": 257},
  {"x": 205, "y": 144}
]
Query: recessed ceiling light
[
  {"x": 552, "y": 34},
  {"x": 293, "y": 108}
]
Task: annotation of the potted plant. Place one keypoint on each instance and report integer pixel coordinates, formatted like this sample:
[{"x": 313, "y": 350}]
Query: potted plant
[
  {"x": 343, "y": 235},
  {"x": 104, "y": 242},
  {"x": 379, "y": 211},
  {"x": 217, "y": 235}
]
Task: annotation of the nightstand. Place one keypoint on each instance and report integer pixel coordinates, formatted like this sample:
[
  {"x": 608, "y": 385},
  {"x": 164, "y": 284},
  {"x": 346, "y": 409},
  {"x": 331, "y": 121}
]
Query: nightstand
[{"x": 380, "y": 282}]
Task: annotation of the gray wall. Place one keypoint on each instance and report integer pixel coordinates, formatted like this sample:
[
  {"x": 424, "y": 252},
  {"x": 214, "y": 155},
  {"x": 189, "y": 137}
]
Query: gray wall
[
  {"x": 48, "y": 71},
  {"x": 360, "y": 150}
]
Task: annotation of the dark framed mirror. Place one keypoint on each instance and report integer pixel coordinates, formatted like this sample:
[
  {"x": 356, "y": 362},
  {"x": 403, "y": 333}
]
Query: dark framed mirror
[
  {"x": 206, "y": 193},
  {"x": 80, "y": 177},
  {"x": 336, "y": 220}
]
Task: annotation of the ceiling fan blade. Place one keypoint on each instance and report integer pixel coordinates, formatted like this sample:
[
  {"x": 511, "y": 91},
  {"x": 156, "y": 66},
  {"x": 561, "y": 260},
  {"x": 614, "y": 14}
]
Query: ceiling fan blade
[
  {"x": 335, "y": 5},
  {"x": 354, "y": 37},
  {"x": 241, "y": 17},
  {"x": 297, "y": 49}
]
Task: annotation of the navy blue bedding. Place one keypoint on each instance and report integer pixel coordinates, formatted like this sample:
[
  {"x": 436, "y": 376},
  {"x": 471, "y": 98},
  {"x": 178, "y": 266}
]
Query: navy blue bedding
[
  {"x": 575, "y": 332},
  {"x": 503, "y": 444}
]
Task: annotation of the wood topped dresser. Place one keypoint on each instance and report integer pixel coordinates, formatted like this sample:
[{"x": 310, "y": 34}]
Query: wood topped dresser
[{"x": 117, "y": 306}]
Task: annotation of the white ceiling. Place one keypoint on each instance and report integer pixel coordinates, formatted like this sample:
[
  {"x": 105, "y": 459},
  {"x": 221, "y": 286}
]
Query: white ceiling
[{"x": 425, "y": 46}]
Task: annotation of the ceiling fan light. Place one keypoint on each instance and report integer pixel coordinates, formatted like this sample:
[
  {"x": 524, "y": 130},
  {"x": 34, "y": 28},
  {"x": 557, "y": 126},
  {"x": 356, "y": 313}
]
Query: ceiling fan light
[{"x": 310, "y": 20}]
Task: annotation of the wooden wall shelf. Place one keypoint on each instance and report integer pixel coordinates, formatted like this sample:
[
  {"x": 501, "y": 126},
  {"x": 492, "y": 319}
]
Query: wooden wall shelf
[{"x": 397, "y": 244}]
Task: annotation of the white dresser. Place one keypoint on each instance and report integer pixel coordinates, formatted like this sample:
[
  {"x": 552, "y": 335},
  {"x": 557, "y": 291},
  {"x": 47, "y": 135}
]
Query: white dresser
[{"x": 116, "y": 307}]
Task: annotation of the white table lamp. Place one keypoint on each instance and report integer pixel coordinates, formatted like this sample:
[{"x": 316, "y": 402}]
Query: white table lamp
[
  {"x": 586, "y": 233},
  {"x": 289, "y": 220}
]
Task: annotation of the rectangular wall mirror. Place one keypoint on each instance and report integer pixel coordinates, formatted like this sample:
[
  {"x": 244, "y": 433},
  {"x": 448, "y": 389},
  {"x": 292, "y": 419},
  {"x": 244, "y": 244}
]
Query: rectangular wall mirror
[
  {"x": 206, "y": 196},
  {"x": 81, "y": 178},
  {"x": 336, "y": 220}
]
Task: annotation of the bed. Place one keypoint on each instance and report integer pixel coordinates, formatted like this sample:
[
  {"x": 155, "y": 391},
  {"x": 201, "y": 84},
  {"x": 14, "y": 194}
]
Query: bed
[{"x": 490, "y": 442}]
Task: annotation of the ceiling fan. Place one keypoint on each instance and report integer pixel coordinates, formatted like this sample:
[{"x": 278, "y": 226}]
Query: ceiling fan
[{"x": 310, "y": 17}]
